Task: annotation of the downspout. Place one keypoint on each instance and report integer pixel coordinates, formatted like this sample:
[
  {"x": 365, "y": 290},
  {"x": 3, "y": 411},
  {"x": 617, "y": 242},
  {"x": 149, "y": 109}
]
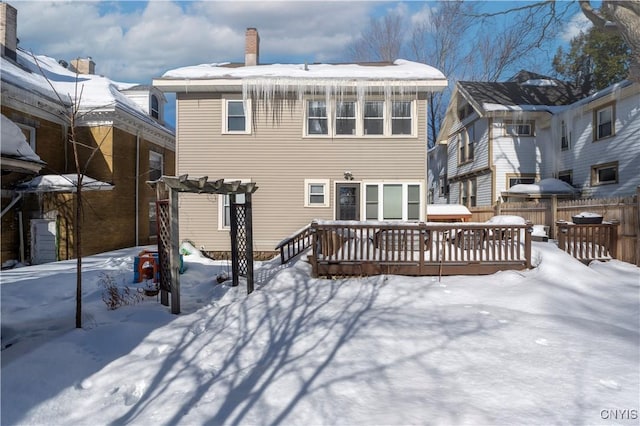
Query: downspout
[{"x": 137, "y": 225}]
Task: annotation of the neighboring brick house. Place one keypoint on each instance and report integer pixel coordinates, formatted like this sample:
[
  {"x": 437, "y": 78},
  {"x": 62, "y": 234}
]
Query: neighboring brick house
[
  {"x": 123, "y": 123},
  {"x": 321, "y": 141}
]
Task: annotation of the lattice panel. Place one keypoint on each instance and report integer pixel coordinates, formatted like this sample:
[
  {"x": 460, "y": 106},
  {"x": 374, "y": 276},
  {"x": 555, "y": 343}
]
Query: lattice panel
[
  {"x": 241, "y": 216},
  {"x": 164, "y": 243}
]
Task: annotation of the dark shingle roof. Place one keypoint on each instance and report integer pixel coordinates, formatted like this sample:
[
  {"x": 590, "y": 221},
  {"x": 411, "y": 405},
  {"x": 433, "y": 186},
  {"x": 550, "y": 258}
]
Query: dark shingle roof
[{"x": 515, "y": 92}]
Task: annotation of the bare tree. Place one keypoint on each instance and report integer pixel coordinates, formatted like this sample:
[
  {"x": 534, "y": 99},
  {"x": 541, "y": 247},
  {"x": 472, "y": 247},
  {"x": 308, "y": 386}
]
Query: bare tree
[
  {"x": 81, "y": 161},
  {"x": 381, "y": 40}
]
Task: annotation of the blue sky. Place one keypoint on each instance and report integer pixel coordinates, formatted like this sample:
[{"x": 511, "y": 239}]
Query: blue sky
[{"x": 135, "y": 41}]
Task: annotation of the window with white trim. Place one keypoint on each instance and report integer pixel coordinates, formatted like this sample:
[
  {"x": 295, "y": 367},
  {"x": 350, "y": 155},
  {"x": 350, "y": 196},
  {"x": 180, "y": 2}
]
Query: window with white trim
[
  {"x": 401, "y": 118},
  {"x": 346, "y": 118},
  {"x": 374, "y": 117},
  {"x": 224, "y": 206},
  {"x": 604, "y": 120},
  {"x": 29, "y": 134},
  {"x": 317, "y": 123},
  {"x": 393, "y": 201},
  {"x": 519, "y": 128},
  {"x": 316, "y": 193},
  {"x": 604, "y": 174},
  {"x": 237, "y": 117}
]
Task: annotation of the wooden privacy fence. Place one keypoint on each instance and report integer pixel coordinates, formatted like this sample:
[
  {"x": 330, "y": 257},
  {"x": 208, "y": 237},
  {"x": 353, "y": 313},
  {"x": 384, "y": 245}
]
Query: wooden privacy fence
[
  {"x": 372, "y": 248},
  {"x": 550, "y": 212},
  {"x": 589, "y": 242}
]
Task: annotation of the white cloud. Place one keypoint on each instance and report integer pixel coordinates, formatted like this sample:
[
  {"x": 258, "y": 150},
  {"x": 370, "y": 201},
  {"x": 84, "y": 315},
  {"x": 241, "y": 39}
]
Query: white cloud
[
  {"x": 578, "y": 23},
  {"x": 137, "y": 41}
]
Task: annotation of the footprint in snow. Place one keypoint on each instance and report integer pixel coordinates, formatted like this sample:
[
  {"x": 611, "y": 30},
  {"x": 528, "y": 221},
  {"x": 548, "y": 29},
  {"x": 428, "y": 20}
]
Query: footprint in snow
[{"x": 542, "y": 342}]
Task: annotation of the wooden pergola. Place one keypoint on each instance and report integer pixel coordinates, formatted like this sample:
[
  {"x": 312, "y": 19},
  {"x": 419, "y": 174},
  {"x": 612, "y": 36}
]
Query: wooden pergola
[{"x": 167, "y": 190}]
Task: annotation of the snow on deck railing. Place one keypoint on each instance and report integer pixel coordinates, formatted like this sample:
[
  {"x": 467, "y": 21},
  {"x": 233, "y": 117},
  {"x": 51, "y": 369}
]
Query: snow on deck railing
[{"x": 418, "y": 248}]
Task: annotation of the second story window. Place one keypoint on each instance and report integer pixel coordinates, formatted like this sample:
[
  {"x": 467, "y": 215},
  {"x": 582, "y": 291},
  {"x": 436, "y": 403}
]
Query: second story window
[
  {"x": 401, "y": 118},
  {"x": 317, "y": 118},
  {"x": 374, "y": 118},
  {"x": 604, "y": 119},
  {"x": 519, "y": 128},
  {"x": 236, "y": 117},
  {"x": 346, "y": 118}
]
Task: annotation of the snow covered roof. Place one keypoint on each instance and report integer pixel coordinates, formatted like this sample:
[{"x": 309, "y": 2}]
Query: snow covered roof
[
  {"x": 62, "y": 183},
  {"x": 400, "y": 73},
  {"x": 548, "y": 186},
  {"x": 38, "y": 73},
  {"x": 14, "y": 144},
  {"x": 399, "y": 70}
]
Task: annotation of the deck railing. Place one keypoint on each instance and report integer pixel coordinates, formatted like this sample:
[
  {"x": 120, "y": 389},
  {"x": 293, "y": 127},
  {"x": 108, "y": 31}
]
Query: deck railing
[
  {"x": 295, "y": 244},
  {"x": 371, "y": 248},
  {"x": 587, "y": 242}
]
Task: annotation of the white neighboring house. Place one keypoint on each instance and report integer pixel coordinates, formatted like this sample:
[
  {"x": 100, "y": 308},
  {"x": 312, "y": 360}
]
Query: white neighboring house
[
  {"x": 534, "y": 127},
  {"x": 597, "y": 142}
]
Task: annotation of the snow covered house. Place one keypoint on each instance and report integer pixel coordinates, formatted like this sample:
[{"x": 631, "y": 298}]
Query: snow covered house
[
  {"x": 122, "y": 122},
  {"x": 321, "y": 141},
  {"x": 502, "y": 134}
]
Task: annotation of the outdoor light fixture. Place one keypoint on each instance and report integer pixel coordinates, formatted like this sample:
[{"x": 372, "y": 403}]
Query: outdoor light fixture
[{"x": 348, "y": 175}]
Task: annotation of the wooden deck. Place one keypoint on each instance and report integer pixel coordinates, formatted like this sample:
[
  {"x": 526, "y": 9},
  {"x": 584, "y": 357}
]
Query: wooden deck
[
  {"x": 589, "y": 242},
  {"x": 341, "y": 248}
]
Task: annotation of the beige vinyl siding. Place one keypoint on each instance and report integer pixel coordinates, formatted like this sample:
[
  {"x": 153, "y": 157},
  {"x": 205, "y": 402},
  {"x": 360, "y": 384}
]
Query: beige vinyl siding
[{"x": 278, "y": 158}]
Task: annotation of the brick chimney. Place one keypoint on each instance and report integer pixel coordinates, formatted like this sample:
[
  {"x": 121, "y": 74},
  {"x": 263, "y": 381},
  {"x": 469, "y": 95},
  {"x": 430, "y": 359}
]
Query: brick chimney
[
  {"x": 8, "y": 30},
  {"x": 252, "y": 47},
  {"x": 83, "y": 65}
]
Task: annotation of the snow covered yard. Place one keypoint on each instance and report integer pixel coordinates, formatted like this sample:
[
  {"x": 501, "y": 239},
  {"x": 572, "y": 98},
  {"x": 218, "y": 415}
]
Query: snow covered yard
[{"x": 556, "y": 344}]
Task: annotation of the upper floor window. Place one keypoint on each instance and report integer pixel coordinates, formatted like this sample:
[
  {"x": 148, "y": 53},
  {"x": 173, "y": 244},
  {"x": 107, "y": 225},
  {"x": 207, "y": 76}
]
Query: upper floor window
[
  {"x": 317, "y": 118},
  {"x": 155, "y": 107},
  {"x": 603, "y": 174},
  {"x": 155, "y": 165},
  {"x": 519, "y": 128},
  {"x": 466, "y": 144},
  {"x": 604, "y": 122},
  {"x": 346, "y": 118},
  {"x": 564, "y": 139},
  {"x": 350, "y": 117},
  {"x": 401, "y": 118},
  {"x": 236, "y": 117},
  {"x": 374, "y": 118}
]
